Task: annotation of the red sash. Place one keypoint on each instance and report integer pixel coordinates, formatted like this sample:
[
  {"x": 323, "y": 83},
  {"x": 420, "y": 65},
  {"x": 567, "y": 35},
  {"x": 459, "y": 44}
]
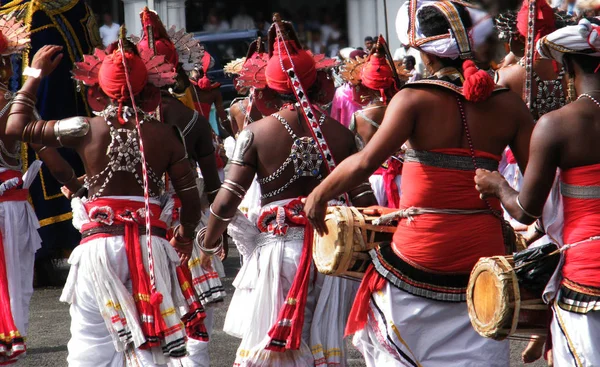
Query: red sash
[{"x": 130, "y": 214}]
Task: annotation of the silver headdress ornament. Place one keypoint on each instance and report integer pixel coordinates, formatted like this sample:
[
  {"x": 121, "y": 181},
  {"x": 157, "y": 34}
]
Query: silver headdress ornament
[{"x": 188, "y": 48}]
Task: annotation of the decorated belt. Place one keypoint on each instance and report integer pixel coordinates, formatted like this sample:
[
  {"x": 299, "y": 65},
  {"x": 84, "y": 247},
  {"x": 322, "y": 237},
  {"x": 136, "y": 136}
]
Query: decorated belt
[
  {"x": 579, "y": 192},
  {"x": 418, "y": 281},
  {"x": 119, "y": 230},
  {"x": 448, "y": 161},
  {"x": 578, "y": 298}
]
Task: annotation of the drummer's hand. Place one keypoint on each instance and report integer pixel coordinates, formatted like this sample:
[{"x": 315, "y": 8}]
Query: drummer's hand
[
  {"x": 488, "y": 183},
  {"x": 378, "y": 210},
  {"x": 66, "y": 192},
  {"x": 315, "y": 212}
]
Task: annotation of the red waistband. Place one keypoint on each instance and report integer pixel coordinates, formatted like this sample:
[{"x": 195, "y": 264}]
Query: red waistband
[
  {"x": 14, "y": 195},
  {"x": 277, "y": 219},
  {"x": 109, "y": 212}
]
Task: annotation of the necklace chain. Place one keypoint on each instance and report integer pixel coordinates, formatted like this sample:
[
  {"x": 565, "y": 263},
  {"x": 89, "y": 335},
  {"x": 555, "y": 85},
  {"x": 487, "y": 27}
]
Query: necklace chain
[{"x": 589, "y": 97}]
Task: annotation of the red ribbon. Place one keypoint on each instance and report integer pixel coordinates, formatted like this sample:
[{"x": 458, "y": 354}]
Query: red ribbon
[
  {"x": 372, "y": 282},
  {"x": 286, "y": 333}
]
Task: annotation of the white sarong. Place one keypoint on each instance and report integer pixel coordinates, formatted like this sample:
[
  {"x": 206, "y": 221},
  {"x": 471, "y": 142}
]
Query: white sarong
[
  {"x": 18, "y": 226},
  {"x": 262, "y": 286},
  {"x": 99, "y": 291},
  {"x": 575, "y": 338},
  {"x": 404, "y": 330}
]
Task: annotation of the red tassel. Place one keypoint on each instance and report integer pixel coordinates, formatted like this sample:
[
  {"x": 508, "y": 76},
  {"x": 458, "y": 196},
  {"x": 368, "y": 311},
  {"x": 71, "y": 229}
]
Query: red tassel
[
  {"x": 478, "y": 85},
  {"x": 156, "y": 299},
  {"x": 204, "y": 83}
]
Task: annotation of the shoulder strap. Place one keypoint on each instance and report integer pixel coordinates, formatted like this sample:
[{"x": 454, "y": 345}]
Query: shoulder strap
[{"x": 285, "y": 124}]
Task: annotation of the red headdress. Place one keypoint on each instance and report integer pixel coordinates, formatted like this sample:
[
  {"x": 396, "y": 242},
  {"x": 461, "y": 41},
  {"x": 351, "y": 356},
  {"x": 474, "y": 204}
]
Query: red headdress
[
  {"x": 545, "y": 22},
  {"x": 110, "y": 74},
  {"x": 156, "y": 38},
  {"x": 206, "y": 63},
  {"x": 378, "y": 73},
  {"x": 14, "y": 36}
]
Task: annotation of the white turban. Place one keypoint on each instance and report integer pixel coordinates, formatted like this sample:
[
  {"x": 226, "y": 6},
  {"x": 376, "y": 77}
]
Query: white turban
[
  {"x": 483, "y": 26},
  {"x": 583, "y": 39}
]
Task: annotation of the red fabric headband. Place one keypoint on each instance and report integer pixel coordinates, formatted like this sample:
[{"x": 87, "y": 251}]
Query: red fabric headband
[{"x": 304, "y": 65}]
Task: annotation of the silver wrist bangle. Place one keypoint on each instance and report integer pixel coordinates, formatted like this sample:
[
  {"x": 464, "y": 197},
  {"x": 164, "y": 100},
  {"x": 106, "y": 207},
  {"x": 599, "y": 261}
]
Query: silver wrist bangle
[
  {"x": 199, "y": 241},
  {"x": 226, "y": 220},
  {"x": 525, "y": 211}
]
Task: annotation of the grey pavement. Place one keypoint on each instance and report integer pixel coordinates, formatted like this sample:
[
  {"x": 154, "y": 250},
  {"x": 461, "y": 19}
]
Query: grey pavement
[{"x": 49, "y": 331}]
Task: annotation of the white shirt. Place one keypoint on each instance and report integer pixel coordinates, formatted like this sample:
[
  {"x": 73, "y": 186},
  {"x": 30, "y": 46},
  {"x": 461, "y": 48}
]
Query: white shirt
[
  {"x": 109, "y": 34},
  {"x": 242, "y": 21}
]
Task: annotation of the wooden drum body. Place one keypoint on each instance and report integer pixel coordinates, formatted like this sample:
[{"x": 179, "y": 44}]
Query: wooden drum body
[
  {"x": 498, "y": 306},
  {"x": 344, "y": 250}
]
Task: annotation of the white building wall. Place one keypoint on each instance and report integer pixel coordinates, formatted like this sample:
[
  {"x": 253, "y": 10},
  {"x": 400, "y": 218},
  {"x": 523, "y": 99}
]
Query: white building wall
[
  {"x": 367, "y": 18},
  {"x": 171, "y": 12}
]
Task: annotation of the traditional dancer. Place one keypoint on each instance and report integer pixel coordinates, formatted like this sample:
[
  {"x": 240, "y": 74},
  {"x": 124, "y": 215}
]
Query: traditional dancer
[
  {"x": 290, "y": 151},
  {"x": 195, "y": 127},
  {"x": 411, "y": 309},
  {"x": 244, "y": 111},
  {"x": 378, "y": 82},
  {"x": 112, "y": 323},
  {"x": 567, "y": 139},
  {"x": 348, "y": 97},
  {"x": 19, "y": 239},
  {"x": 186, "y": 52},
  {"x": 548, "y": 88}
]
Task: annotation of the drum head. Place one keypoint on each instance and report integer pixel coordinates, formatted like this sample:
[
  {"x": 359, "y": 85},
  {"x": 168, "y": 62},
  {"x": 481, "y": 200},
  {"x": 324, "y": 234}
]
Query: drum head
[
  {"x": 326, "y": 252},
  {"x": 486, "y": 293},
  {"x": 491, "y": 293}
]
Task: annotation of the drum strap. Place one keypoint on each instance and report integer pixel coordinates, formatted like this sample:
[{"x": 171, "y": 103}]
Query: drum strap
[
  {"x": 411, "y": 212},
  {"x": 516, "y": 292}
]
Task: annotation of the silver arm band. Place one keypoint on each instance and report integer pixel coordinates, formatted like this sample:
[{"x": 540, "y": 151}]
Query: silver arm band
[
  {"x": 226, "y": 220},
  {"x": 71, "y": 127}
]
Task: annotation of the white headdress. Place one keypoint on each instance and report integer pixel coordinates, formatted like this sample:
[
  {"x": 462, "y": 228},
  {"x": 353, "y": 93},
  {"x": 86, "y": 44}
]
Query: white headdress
[
  {"x": 459, "y": 42},
  {"x": 583, "y": 39}
]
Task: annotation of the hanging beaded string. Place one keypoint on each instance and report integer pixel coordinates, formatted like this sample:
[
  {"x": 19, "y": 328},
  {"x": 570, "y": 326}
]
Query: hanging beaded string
[
  {"x": 529, "y": 54},
  {"x": 463, "y": 116},
  {"x": 153, "y": 290},
  {"x": 305, "y": 105}
]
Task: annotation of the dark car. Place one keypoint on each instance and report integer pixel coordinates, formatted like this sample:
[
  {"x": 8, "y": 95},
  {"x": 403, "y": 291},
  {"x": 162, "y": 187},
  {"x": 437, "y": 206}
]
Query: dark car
[{"x": 225, "y": 47}]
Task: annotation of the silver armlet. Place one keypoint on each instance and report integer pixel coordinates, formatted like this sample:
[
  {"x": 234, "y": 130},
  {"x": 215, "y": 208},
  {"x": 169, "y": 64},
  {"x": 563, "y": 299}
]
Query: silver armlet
[
  {"x": 243, "y": 143},
  {"x": 226, "y": 220},
  {"x": 71, "y": 127}
]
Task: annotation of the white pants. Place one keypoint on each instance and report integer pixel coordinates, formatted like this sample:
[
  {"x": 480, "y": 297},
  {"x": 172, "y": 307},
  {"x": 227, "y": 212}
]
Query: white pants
[
  {"x": 575, "y": 338},
  {"x": 409, "y": 331}
]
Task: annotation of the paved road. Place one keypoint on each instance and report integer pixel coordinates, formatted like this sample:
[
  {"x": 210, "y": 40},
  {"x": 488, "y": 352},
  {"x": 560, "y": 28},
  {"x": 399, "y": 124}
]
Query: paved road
[{"x": 49, "y": 331}]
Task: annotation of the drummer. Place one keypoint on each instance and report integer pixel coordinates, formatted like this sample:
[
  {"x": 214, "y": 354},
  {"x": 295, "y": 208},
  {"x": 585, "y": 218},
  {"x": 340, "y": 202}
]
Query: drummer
[
  {"x": 411, "y": 308},
  {"x": 567, "y": 139},
  {"x": 276, "y": 278}
]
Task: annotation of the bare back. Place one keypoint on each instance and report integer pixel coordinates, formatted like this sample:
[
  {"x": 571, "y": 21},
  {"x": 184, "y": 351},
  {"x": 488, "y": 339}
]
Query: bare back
[
  {"x": 162, "y": 148},
  {"x": 431, "y": 119},
  {"x": 237, "y": 113},
  {"x": 273, "y": 144},
  {"x": 368, "y": 121}
]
